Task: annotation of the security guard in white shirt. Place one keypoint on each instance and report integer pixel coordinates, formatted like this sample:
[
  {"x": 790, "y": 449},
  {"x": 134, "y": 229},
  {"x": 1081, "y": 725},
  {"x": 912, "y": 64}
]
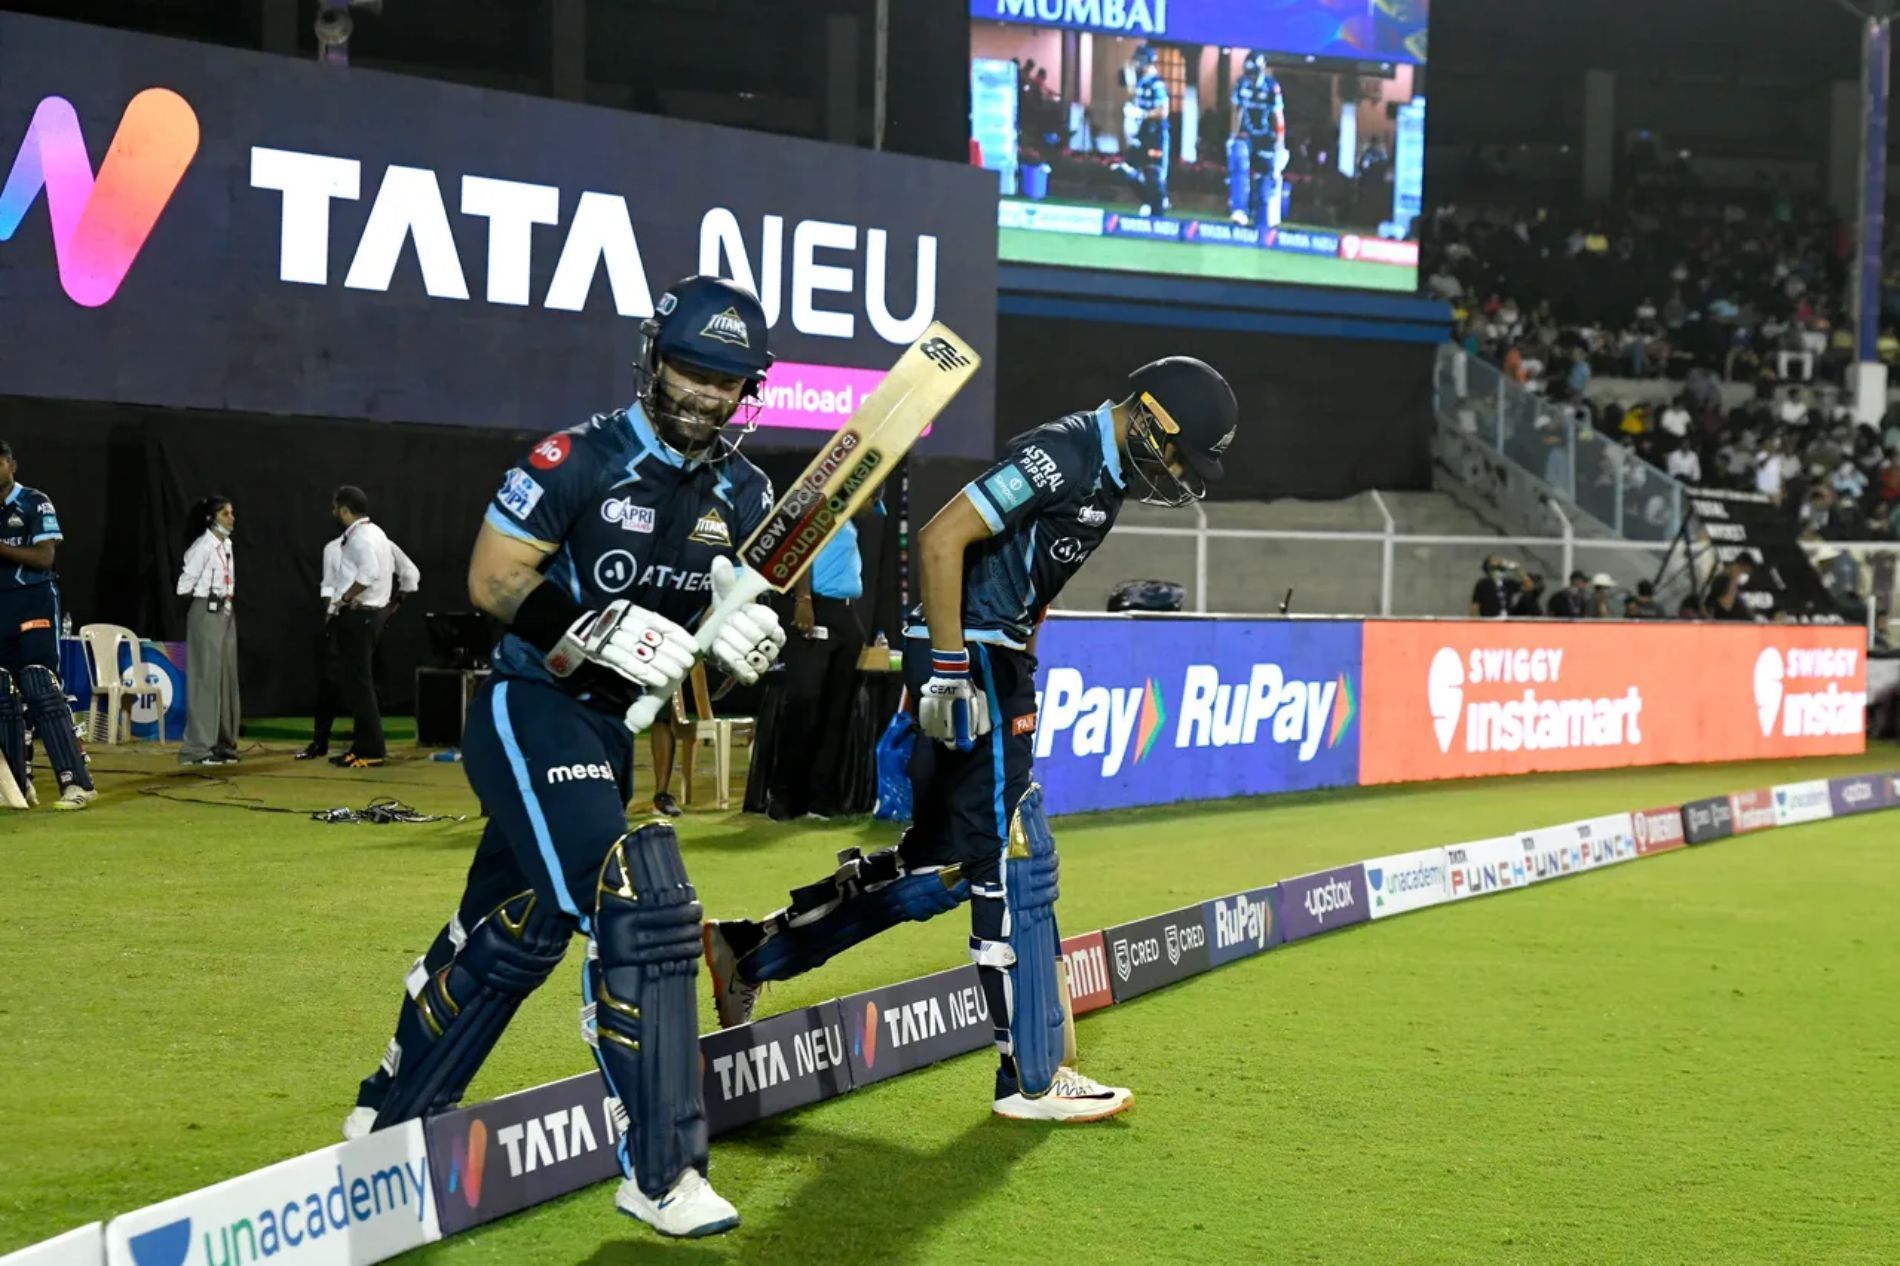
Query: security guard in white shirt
[
  {"x": 209, "y": 579},
  {"x": 369, "y": 566},
  {"x": 337, "y": 578}
]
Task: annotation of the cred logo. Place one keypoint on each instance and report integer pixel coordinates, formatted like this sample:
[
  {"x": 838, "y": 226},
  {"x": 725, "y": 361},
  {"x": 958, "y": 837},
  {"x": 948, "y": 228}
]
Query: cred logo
[{"x": 99, "y": 226}]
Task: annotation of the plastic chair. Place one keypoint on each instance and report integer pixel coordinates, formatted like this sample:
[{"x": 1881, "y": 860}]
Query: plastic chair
[
  {"x": 721, "y": 732},
  {"x": 102, "y": 642}
]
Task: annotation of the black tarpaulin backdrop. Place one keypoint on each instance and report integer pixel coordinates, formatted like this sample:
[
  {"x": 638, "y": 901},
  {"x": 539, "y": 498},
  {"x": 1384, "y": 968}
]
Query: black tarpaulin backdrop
[
  {"x": 1321, "y": 418},
  {"x": 124, "y": 479}
]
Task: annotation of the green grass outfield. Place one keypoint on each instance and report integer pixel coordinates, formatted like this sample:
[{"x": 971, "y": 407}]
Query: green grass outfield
[
  {"x": 1691, "y": 1058},
  {"x": 1190, "y": 259}
]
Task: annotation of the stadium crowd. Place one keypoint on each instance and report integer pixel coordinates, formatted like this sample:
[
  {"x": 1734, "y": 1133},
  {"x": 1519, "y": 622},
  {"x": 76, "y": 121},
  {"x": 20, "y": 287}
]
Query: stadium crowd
[{"x": 1705, "y": 293}]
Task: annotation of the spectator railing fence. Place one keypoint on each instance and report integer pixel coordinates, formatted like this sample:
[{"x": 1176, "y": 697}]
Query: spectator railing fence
[
  {"x": 1595, "y": 472},
  {"x": 1879, "y": 561}
]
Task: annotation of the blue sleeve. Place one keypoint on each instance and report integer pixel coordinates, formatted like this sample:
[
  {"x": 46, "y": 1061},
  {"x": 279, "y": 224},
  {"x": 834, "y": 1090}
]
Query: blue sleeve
[
  {"x": 44, "y": 523},
  {"x": 1043, "y": 468},
  {"x": 542, "y": 494}
]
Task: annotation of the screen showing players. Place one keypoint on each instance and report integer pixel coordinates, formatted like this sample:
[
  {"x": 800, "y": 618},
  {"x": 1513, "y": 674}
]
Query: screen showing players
[{"x": 1266, "y": 140}]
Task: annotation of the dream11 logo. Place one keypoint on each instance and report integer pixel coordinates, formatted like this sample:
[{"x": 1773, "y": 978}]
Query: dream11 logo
[{"x": 100, "y": 224}]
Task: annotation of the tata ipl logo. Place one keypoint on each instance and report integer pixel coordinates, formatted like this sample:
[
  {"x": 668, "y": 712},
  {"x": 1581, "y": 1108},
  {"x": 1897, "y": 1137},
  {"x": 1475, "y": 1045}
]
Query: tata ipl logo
[{"x": 100, "y": 225}]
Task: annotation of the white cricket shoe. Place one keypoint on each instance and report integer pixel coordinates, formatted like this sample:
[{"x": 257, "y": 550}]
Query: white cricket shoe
[
  {"x": 1239, "y": 219},
  {"x": 1144, "y": 209},
  {"x": 1071, "y": 1097},
  {"x": 74, "y": 797},
  {"x": 733, "y": 998},
  {"x": 691, "y": 1209},
  {"x": 359, "y": 1123}
]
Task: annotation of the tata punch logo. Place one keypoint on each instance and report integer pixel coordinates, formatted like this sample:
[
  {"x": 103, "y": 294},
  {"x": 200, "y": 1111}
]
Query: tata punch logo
[{"x": 100, "y": 222}]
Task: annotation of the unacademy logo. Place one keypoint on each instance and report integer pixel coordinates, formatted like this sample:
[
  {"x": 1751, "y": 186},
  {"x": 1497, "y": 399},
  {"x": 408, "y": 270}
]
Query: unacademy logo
[{"x": 281, "y": 1227}]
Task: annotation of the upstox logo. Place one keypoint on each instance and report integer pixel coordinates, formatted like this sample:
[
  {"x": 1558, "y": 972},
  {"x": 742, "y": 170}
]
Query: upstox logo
[
  {"x": 1123, "y": 725},
  {"x": 283, "y": 1227},
  {"x": 100, "y": 224}
]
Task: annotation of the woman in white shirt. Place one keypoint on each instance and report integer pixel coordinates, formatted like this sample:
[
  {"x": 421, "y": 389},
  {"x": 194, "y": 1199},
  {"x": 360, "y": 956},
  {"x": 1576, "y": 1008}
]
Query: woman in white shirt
[{"x": 209, "y": 579}]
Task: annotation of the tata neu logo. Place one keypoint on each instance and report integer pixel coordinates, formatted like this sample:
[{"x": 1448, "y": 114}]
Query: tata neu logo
[
  {"x": 468, "y": 1161},
  {"x": 100, "y": 224},
  {"x": 1528, "y": 708},
  {"x": 1790, "y": 698}
]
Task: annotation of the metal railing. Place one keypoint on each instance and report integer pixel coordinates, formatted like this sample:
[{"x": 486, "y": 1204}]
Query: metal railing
[
  {"x": 1600, "y": 474},
  {"x": 1876, "y": 585}
]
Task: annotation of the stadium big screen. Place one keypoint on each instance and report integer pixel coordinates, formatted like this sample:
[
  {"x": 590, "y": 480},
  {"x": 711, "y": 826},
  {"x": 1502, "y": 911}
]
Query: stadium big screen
[{"x": 1259, "y": 140}]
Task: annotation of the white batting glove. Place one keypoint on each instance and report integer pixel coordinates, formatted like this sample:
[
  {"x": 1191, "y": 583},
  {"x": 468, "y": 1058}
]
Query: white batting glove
[
  {"x": 643, "y": 646},
  {"x": 746, "y": 640},
  {"x": 951, "y": 708}
]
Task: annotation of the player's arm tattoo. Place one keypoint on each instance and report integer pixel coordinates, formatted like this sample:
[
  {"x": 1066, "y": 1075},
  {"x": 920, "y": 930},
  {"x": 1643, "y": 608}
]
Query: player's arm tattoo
[{"x": 504, "y": 570}]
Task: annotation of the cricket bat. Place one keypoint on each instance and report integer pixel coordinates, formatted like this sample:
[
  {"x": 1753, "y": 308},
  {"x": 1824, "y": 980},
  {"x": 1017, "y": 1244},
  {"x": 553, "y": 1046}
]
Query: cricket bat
[
  {"x": 841, "y": 478},
  {"x": 11, "y": 797}
]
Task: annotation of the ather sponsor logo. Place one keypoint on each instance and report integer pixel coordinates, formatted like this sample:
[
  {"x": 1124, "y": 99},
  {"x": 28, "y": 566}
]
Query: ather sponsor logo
[{"x": 100, "y": 224}]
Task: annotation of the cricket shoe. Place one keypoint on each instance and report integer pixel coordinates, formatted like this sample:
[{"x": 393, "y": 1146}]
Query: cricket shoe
[
  {"x": 1239, "y": 219},
  {"x": 733, "y": 998},
  {"x": 691, "y": 1209},
  {"x": 75, "y": 797},
  {"x": 359, "y": 1123},
  {"x": 1070, "y": 1097}
]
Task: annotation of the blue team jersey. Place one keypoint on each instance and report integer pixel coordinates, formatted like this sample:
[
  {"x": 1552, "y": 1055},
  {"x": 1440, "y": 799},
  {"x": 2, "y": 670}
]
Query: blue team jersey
[
  {"x": 838, "y": 571},
  {"x": 629, "y": 517},
  {"x": 1048, "y": 502},
  {"x": 27, "y": 517},
  {"x": 1151, "y": 91},
  {"x": 1255, "y": 104}
]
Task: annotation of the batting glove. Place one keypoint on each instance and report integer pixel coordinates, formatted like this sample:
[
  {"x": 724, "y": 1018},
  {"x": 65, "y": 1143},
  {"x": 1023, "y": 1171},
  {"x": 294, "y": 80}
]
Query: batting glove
[
  {"x": 950, "y": 707},
  {"x": 747, "y": 640},
  {"x": 642, "y": 646}
]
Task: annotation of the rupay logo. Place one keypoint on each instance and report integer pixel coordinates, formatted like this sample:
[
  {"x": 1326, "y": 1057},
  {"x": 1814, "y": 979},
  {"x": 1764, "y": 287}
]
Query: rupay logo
[
  {"x": 1112, "y": 722},
  {"x": 100, "y": 225}
]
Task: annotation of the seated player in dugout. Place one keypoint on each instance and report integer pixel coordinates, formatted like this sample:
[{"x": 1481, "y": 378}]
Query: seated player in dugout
[{"x": 993, "y": 560}]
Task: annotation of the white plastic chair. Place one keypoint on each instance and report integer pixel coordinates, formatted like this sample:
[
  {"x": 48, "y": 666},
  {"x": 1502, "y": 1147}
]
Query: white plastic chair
[
  {"x": 102, "y": 642},
  {"x": 720, "y": 732}
]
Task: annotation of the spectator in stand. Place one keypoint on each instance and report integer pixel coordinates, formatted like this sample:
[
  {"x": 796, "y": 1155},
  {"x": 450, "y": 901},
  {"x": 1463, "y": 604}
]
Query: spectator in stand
[
  {"x": 1529, "y": 602},
  {"x": 1601, "y": 603},
  {"x": 1488, "y": 598},
  {"x": 1647, "y": 608},
  {"x": 1725, "y": 595},
  {"x": 1675, "y": 419},
  {"x": 1768, "y": 475},
  {"x": 1684, "y": 463},
  {"x": 1573, "y": 601}
]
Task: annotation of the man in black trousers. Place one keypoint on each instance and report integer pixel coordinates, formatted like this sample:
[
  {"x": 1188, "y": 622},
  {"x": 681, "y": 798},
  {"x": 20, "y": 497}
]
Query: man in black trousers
[{"x": 369, "y": 567}]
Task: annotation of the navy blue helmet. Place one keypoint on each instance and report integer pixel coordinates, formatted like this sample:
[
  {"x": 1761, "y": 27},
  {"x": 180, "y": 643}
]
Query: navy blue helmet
[{"x": 702, "y": 326}]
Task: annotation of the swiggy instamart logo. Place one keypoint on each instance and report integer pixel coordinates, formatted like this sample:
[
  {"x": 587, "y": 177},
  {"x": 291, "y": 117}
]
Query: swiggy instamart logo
[{"x": 100, "y": 225}]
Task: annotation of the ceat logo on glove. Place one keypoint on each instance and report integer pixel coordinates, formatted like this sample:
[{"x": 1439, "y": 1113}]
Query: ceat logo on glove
[{"x": 550, "y": 452}]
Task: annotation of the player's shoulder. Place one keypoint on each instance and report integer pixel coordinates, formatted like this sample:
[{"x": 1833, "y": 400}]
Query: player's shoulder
[
  {"x": 585, "y": 448},
  {"x": 34, "y": 499},
  {"x": 1071, "y": 445}
]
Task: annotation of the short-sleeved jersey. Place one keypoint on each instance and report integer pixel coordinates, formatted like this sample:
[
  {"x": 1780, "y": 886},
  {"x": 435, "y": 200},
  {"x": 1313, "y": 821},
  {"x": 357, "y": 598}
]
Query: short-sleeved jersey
[
  {"x": 27, "y": 517},
  {"x": 1048, "y": 502},
  {"x": 1255, "y": 104},
  {"x": 629, "y": 517},
  {"x": 1151, "y": 90}
]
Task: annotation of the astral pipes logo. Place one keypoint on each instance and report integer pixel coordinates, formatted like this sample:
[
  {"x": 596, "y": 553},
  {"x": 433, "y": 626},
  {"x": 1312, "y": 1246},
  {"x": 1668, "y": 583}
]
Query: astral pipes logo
[{"x": 99, "y": 226}]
